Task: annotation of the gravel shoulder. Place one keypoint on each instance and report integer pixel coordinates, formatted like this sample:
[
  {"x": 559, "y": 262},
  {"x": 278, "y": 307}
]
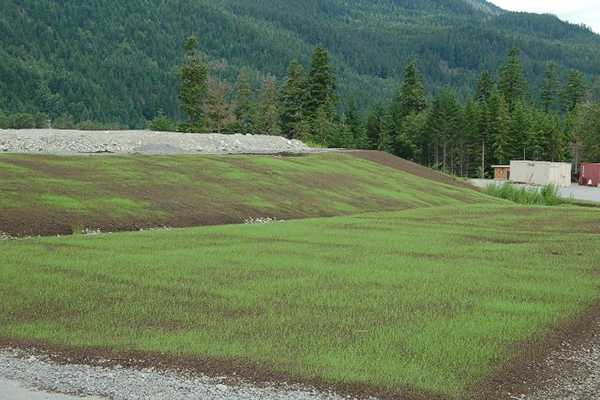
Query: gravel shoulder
[
  {"x": 14, "y": 390},
  {"x": 571, "y": 372},
  {"x": 22, "y": 373},
  {"x": 142, "y": 142}
]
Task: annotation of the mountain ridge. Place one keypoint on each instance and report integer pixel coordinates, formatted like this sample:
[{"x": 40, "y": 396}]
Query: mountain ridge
[{"x": 117, "y": 62}]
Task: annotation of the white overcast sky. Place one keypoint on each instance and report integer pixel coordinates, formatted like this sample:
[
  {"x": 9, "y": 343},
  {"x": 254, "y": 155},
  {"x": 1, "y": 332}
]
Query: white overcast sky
[{"x": 575, "y": 11}]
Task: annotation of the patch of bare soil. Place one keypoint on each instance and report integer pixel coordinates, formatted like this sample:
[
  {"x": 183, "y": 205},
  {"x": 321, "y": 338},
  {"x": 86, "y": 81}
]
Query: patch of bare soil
[{"x": 409, "y": 167}]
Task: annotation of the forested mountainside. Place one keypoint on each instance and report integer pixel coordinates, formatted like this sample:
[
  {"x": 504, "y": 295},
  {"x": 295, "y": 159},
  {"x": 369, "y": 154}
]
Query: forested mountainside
[{"x": 117, "y": 61}]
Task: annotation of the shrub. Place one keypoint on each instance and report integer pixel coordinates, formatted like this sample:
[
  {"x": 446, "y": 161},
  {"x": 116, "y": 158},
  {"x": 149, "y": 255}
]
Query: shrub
[
  {"x": 161, "y": 123},
  {"x": 546, "y": 195}
]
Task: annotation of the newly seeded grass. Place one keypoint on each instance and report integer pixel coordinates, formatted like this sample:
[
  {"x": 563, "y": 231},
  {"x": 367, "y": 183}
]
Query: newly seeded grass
[
  {"x": 433, "y": 299},
  {"x": 49, "y": 194}
]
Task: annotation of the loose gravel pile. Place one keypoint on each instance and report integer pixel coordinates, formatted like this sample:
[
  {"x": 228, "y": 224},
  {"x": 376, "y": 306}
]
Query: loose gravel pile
[
  {"x": 145, "y": 142},
  {"x": 573, "y": 372},
  {"x": 129, "y": 384}
]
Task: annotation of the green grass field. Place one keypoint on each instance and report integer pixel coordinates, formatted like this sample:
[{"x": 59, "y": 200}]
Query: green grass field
[
  {"x": 49, "y": 194},
  {"x": 431, "y": 299}
]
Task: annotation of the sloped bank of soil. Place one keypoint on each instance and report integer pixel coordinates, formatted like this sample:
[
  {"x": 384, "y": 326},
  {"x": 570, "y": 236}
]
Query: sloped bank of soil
[
  {"x": 51, "y": 194},
  {"x": 427, "y": 174}
]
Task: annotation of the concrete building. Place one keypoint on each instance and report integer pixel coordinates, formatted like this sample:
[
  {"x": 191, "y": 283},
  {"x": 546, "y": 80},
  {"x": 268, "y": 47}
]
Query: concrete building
[
  {"x": 501, "y": 172},
  {"x": 541, "y": 173}
]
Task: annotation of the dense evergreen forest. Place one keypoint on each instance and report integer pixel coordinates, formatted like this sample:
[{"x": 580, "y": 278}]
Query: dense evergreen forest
[
  {"x": 500, "y": 120},
  {"x": 117, "y": 62}
]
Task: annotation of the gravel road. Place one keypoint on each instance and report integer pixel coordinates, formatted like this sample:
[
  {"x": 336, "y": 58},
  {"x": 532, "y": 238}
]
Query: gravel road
[
  {"x": 19, "y": 370},
  {"x": 145, "y": 142}
]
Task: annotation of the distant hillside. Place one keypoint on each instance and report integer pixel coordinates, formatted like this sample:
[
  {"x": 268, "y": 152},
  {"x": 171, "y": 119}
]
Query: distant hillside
[{"x": 116, "y": 61}]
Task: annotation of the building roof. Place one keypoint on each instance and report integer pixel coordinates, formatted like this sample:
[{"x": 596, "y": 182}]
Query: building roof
[
  {"x": 500, "y": 166},
  {"x": 539, "y": 162}
]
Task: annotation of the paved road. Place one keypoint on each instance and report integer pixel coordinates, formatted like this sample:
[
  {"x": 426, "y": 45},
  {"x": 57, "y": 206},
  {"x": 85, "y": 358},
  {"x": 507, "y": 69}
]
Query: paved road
[
  {"x": 574, "y": 192},
  {"x": 13, "y": 390}
]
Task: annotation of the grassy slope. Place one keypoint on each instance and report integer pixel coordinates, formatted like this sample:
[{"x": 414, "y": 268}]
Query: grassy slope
[
  {"x": 60, "y": 194},
  {"x": 432, "y": 299}
]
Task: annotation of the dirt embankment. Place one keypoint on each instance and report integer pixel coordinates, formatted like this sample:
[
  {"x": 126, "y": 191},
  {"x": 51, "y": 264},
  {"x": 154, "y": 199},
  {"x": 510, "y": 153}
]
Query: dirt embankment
[
  {"x": 410, "y": 167},
  {"x": 50, "y": 194}
]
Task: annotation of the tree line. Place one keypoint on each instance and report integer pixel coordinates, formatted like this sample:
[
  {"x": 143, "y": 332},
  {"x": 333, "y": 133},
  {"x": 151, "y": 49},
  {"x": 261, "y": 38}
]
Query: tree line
[{"x": 498, "y": 122}]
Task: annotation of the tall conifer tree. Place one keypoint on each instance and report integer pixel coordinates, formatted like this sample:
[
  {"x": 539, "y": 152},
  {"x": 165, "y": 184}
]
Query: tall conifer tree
[
  {"x": 293, "y": 96},
  {"x": 321, "y": 85},
  {"x": 512, "y": 80},
  {"x": 243, "y": 106},
  {"x": 193, "y": 90},
  {"x": 550, "y": 86},
  {"x": 412, "y": 92},
  {"x": 574, "y": 92},
  {"x": 485, "y": 85},
  {"x": 267, "y": 119}
]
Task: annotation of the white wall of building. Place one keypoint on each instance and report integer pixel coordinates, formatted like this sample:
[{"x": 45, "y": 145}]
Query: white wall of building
[{"x": 541, "y": 173}]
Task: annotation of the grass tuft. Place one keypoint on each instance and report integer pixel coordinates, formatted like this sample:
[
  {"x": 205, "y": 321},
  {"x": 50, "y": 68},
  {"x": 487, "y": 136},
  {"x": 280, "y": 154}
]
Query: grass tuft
[{"x": 547, "y": 195}]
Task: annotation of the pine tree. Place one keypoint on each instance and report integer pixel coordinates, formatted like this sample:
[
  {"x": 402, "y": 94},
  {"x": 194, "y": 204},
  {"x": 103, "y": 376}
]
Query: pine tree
[
  {"x": 345, "y": 139},
  {"x": 243, "y": 105},
  {"x": 193, "y": 90},
  {"x": 587, "y": 128},
  {"x": 324, "y": 130},
  {"x": 485, "y": 85},
  {"x": 596, "y": 91},
  {"x": 373, "y": 125},
  {"x": 502, "y": 147},
  {"x": 407, "y": 144},
  {"x": 267, "y": 119},
  {"x": 302, "y": 131},
  {"x": 560, "y": 140},
  {"x": 293, "y": 97},
  {"x": 443, "y": 126},
  {"x": 519, "y": 129},
  {"x": 470, "y": 135},
  {"x": 161, "y": 123},
  {"x": 3, "y": 121},
  {"x": 321, "y": 86},
  {"x": 355, "y": 124},
  {"x": 574, "y": 92},
  {"x": 385, "y": 141},
  {"x": 219, "y": 111},
  {"x": 412, "y": 92},
  {"x": 512, "y": 80},
  {"x": 397, "y": 112},
  {"x": 536, "y": 137},
  {"x": 550, "y": 86}
]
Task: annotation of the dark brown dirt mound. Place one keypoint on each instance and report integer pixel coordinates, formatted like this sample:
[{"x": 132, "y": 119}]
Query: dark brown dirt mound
[{"x": 409, "y": 167}]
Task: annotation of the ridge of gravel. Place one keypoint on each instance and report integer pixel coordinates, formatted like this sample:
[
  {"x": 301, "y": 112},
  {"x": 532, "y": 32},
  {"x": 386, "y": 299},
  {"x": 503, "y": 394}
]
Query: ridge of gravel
[
  {"x": 143, "y": 142},
  {"x": 571, "y": 372},
  {"x": 117, "y": 382}
]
